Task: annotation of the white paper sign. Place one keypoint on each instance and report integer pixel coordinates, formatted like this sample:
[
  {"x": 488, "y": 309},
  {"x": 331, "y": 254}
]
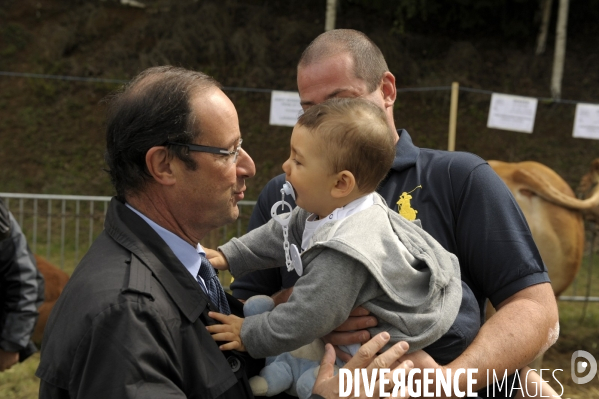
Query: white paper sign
[
  {"x": 586, "y": 121},
  {"x": 285, "y": 108},
  {"x": 512, "y": 113}
]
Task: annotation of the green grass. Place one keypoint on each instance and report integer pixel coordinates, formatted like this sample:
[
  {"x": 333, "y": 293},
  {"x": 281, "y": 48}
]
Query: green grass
[
  {"x": 587, "y": 279},
  {"x": 20, "y": 381}
]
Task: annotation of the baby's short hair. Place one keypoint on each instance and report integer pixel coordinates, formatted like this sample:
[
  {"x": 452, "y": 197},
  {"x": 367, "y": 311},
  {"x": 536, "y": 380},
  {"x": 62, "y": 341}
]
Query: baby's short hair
[{"x": 355, "y": 136}]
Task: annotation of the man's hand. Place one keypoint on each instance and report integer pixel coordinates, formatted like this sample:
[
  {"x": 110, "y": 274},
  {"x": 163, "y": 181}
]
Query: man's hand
[
  {"x": 352, "y": 331},
  {"x": 8, "y": 359},
  {"x": 327, "y": 384},
  {"x": 229, "y": 331},
  {"x": 217, "y": 259},
  {"x": 423, "y": 360}
]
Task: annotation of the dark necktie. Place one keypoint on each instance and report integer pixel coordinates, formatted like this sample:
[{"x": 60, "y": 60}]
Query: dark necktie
[{"x": 216, "y": 293}]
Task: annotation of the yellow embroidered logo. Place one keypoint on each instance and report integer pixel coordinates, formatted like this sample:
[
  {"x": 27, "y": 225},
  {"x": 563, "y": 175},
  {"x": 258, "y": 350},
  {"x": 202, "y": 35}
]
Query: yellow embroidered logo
[{"x": 404, "y": 207}]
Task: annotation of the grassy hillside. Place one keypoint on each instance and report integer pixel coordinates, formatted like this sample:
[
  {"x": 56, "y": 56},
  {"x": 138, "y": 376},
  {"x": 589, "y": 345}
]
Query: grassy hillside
[{"x": 51, "y": 137}]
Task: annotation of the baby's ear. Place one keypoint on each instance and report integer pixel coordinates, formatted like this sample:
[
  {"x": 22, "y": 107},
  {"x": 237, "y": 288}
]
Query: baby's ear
[{"x": 345, "y": 182}]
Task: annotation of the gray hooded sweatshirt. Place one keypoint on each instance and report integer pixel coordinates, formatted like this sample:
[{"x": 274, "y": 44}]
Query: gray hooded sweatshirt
[{"x": 355, "y": 261}]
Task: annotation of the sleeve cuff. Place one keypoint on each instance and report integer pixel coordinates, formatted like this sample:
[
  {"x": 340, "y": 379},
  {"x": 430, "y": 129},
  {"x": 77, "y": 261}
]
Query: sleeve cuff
[
  {"x": 518, "y": 285},
  {"x": 8, "y": 346}
]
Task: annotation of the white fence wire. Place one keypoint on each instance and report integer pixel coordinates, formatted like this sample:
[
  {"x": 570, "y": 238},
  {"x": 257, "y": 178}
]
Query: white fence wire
[
  {"x": 63, "y": 227},
  {"x": 38, "y": 212},
  {"x": 70, "y": 223}
]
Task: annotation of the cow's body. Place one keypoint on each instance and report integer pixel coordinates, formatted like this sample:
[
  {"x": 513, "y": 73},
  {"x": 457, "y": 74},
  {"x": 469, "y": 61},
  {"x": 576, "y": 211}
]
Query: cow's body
[
  {"x": 54, "y": 280},
  {"x": 553, "y": 214}
]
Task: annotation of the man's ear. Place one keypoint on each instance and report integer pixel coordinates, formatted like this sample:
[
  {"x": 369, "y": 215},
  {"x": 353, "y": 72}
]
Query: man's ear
[
  {"x": 345, "y": 182},
  {"x": 388, "y": 88},
  {"x": 159, "y": 165}
]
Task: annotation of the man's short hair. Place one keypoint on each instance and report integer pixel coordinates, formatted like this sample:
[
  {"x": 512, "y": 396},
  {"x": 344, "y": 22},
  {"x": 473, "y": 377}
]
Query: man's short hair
[
  {"x": 149, "y": 111},
  {"x": 369, "y": 62},
  {"x": 355, "y": 136}
]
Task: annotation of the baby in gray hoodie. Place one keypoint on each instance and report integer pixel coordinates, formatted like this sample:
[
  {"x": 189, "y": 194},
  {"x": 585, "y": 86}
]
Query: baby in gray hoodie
[{"x": 355, "y": 251}]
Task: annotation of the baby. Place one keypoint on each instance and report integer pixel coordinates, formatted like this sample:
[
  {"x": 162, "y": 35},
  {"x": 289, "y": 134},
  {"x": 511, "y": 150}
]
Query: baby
[{"x": 355, "y": 251}]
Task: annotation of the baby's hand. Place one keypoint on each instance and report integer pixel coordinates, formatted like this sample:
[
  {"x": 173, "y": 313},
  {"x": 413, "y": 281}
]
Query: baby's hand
[
  {"x": 229, "y": 331},
  {"x": 217, "y": 259}
]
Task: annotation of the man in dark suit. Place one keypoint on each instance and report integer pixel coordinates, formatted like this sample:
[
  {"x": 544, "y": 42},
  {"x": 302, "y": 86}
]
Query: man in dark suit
[{"x": 132, "y": 320}]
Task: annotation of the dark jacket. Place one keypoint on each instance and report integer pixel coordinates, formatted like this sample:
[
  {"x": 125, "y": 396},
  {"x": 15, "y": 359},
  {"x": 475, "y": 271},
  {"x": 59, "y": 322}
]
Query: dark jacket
[
  {"x": 21, "y": 289},
  {"x": 131, "y": 323}
]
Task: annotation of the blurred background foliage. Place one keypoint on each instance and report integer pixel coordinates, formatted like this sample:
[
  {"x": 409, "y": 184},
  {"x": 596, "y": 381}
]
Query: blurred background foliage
[{"x": 51, "y": 137}]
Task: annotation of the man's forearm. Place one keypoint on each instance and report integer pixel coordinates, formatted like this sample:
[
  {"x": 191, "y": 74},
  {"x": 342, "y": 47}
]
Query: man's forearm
[{"x": 524, "y": 326}]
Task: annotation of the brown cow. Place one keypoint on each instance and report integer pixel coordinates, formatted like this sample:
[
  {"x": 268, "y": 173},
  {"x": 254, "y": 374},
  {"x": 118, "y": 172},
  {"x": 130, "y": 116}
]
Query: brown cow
[
  {"x": 553, "y": 213},
  {"x": 55, "y": 280}
]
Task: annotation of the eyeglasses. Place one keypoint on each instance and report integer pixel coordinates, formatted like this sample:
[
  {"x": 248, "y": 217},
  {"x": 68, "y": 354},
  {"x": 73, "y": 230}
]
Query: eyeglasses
[{"x": 212, "y": 150}]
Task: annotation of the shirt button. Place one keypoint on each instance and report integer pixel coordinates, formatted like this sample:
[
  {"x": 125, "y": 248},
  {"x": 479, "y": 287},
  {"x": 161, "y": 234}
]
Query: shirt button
[{"x": 234, "y": 363}]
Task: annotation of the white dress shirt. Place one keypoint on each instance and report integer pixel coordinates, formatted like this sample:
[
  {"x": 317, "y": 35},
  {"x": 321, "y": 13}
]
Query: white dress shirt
[{"x": 189, "y": 256}]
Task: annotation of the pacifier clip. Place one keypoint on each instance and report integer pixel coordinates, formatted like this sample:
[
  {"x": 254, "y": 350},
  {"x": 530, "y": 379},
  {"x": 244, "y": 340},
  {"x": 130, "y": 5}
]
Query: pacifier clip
[{"x": 293, "y": 260}]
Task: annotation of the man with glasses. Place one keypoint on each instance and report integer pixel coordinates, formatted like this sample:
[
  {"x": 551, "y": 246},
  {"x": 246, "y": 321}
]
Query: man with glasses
[
  {"x": 458, "y": 199},
  {"x": 132, "y": 320}
]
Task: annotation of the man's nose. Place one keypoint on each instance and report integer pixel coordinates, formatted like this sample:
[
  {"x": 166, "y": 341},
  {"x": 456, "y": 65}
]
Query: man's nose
[{"x": 245, "y": 165}]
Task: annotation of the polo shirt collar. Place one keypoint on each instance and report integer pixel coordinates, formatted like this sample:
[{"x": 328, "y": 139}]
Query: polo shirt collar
[{"x": 406, "y": 153}]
